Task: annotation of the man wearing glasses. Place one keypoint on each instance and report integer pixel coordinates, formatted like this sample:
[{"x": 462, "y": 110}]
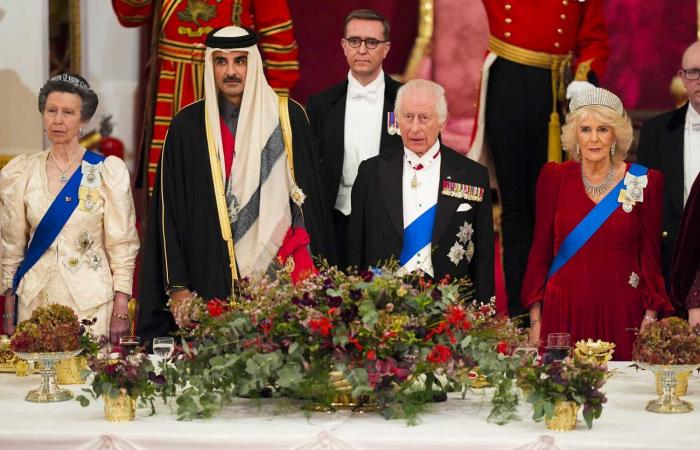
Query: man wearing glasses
[
  {"x": 670, "y": 143},
  {"x": 353, "y": 120}
]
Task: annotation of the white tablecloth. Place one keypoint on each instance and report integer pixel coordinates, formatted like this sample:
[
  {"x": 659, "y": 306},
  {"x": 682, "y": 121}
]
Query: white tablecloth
[{"x": 456, "y": 424}]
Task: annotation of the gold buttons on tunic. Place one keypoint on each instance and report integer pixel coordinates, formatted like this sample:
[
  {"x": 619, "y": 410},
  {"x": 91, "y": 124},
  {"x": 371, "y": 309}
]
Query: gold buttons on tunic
[
  {"x": 560, "y": 31},
  {"x": 508, "y": 6},
  {"x": 509, "y": 20},
  {"x": 563, "y": 17},
  {"x": 507, "y": 34},
  {"x": 557, "y": 44},
  {"x": 664, "y": 234},
  {"x": 564, "y": 2}
]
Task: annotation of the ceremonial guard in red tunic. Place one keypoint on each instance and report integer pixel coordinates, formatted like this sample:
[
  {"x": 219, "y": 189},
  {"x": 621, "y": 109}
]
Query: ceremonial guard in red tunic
[
  {"x": 184, "y": 25},
  {"x": 533, "y": 48}
]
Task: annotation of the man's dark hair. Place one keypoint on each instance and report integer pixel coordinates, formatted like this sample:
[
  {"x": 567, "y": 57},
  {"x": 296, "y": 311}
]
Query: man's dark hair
[
  {"x": 71, "y": 83},
  {"x": 367, "y": 14}
]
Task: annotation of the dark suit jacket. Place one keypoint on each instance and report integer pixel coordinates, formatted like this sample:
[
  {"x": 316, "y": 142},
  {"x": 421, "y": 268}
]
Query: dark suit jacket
[
  {"x": 661, "y": 148},
  {"x": 376, "y": 222},
  {"x": 326, "y": 112}
]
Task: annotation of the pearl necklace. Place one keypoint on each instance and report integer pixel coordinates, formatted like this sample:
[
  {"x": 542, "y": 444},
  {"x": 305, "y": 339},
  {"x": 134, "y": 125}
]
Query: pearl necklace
[{"x": 596, "y": 190}]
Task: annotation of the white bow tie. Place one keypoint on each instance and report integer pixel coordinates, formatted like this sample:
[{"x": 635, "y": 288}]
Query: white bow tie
[{"x": 370, "y": 96}]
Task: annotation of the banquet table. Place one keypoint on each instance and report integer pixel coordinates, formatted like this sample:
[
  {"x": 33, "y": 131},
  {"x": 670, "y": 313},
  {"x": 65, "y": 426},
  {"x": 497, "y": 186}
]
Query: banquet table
[{"x": 455, "y": 424}]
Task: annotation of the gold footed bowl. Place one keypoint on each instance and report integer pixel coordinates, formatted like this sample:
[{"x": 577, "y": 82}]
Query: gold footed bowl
[
  {"x": 565, "y": 414},
  {"x": 668, "y": 401},
  {"x": 48, "y": 391},
  {"x": 68, "y": 371},
  {"x": 681, "y": 383},
  {"x": 120, "y": 408}
]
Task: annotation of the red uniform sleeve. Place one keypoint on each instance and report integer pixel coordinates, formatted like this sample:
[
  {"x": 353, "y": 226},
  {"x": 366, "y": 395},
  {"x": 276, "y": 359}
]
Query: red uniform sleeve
[
  {"x": 296, "y": 245},
  {"x": 542, "y": 250},
  {"x": 654, "y": 291},
  {"x": 277, "y": 43},
  {"x": 592, "y": 49},
  {"x": 133, "y": 13}
]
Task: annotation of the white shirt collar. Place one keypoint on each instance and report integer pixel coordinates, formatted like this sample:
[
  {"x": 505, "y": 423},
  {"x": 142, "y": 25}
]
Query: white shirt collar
[
  {"x": 692, "y": 116},
  {"x": 373, "y": 86},
  {"x": 428, "y": 156}
]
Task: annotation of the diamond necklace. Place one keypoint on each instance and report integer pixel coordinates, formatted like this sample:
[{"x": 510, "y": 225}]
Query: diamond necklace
[
  {"x": 596, "y": 190},
  {"x": 63, "y": 173}
]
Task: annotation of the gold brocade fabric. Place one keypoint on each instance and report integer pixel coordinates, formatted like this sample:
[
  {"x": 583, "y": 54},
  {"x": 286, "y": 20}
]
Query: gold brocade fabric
[{"x": 95, "y": 252}]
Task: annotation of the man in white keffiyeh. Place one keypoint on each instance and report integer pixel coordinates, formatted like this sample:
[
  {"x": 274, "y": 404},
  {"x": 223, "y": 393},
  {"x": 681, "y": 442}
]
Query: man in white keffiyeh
[{"x": 236, "y": 191}]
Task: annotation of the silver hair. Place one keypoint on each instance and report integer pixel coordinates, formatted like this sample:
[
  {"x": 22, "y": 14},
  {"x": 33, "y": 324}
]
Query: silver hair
[{"x": 430, "y": 87}]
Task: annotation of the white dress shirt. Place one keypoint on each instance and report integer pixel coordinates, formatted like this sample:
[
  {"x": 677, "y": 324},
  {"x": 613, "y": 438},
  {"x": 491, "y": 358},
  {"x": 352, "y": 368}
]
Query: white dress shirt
[
  {"x": 363, "y": 131},
  {"x": 420, "y": 193},
  {"x": 691, "y": 150}
]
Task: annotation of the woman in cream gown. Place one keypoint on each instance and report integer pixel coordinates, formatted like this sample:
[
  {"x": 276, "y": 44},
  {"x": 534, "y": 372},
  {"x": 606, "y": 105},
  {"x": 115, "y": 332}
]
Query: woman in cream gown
[{"x": 89, "y": 265}]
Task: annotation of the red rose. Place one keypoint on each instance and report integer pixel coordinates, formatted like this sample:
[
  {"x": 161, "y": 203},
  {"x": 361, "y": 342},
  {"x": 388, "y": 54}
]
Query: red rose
[
  {"x": 371, "y": 354},
  {"x": 440, "y": 354},
  {"x": 215, "y": 307},
  {"x": 502, "y": 348},
  {"x": 322, "y": 326}
]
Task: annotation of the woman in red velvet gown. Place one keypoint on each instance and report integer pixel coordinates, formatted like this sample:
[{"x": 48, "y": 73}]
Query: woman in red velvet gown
[{"x": 613, "y": 285}]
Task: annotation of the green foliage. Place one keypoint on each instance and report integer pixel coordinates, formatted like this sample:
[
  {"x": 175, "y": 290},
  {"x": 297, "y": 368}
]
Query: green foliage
[
  {"x": 570, "y": 380},
  {"x": 380, "y": 330}
]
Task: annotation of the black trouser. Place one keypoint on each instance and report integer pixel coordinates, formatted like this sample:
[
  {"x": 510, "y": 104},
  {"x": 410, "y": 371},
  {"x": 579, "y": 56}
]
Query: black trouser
[
  {"x": 340, "y": 225},
  {"x": 518, "y": 105}
]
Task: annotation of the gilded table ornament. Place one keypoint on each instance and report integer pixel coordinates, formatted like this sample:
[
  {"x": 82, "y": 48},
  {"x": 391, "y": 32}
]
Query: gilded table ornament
[
  {"x": 564, "y": 419},
  {"x": 681, "y": 383},
  {"x": 594, "y": 352},
  {"x": 120, "y": 408},
  {"x": 68, "y": 371},
  {"x": 668, "y": 401},
  {"x": 49, "y": 390},
  {"x": 8, "y": 360}
]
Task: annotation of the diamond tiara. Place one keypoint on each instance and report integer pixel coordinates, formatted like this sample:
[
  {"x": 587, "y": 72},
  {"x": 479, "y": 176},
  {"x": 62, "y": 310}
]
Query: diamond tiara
[{"x": 597, "y": 96}]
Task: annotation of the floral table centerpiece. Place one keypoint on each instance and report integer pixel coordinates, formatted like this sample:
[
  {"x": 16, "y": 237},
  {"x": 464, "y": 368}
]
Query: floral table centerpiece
[
  {"x": 122, "y": 379},
  {"x": 557, "y": 389},
  {"x": 384, "y": 333},
  {"x": 671, "y": 349},
  {"x": 51, "y": 334}
]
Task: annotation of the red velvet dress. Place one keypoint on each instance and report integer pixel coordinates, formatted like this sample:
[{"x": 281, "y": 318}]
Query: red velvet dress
[{"x": 591, "y": 296}]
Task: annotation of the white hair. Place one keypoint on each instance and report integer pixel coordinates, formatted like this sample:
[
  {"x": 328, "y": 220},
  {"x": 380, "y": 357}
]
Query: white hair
[{"x": 429, "y": 87}]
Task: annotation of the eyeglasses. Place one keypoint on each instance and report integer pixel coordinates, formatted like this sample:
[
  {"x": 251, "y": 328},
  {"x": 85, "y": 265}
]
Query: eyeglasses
[
  {"x": 370, "y": 43},
  {"x": 691, "y": 74}
]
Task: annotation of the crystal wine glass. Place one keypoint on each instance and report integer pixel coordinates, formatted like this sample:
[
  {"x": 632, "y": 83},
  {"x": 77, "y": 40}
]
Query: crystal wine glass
[
  {"x": 163, "y": 347},
  {"x": 558, "y": 345},
  {"x": 129, "y": 344}
]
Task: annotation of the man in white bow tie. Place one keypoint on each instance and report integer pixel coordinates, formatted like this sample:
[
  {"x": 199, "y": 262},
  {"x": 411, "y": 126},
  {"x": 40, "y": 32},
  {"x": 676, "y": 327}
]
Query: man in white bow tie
[
  {"x": 354, "y": 120},
  {"x": 422, "y": 203},
  {"x": 670, "y": 143}
]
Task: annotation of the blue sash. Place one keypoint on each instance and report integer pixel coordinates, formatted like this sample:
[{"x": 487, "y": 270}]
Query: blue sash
[
  {"x": 55, "y": 218},
  {"x": 417, "y": 235},
  {"x": 590, "y": 224}
]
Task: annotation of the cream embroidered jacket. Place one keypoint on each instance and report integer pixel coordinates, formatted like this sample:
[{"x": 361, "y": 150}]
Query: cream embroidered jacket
[{"x": 95, "y": 251}]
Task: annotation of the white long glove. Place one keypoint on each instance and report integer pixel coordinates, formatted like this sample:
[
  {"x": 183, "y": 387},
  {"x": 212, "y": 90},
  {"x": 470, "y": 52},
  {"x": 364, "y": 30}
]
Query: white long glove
[{"x": 576, "y": 87}]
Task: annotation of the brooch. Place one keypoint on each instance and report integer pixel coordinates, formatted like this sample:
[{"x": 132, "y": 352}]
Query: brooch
[
  {"x": 465, "y": 191},
  {"x": 465, "y": 233},
  {"x": 634, "y": 280},
  {"x": 633, "y": 192},
  {"x": 456, "y": 253},
  {"x": 85, "y": 241},
  {"x": 297, "y": 195}
]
